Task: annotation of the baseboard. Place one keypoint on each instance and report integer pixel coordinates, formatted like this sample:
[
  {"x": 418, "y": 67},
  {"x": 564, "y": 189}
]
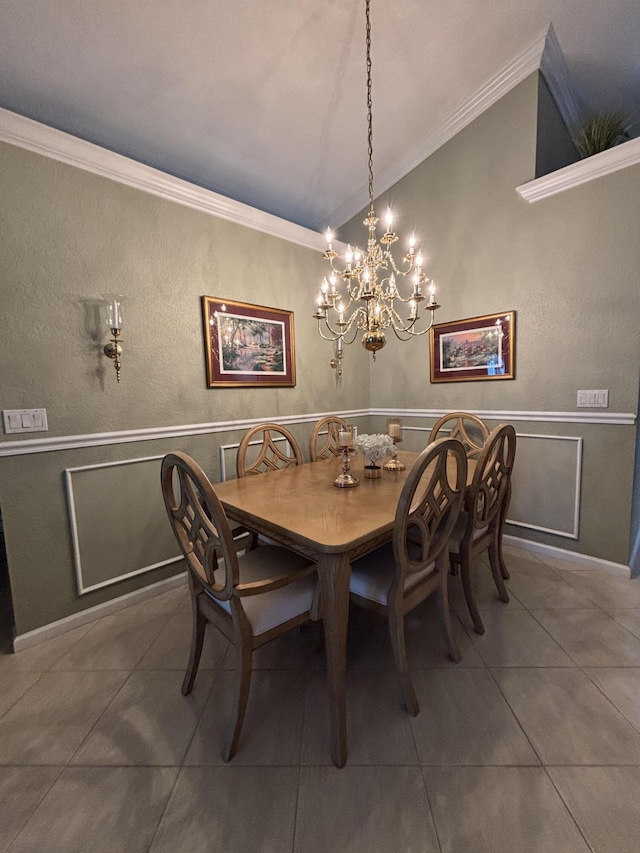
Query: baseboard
[
  {"x": 75, "y": 620},
  {"x": 570, "y": 556}
]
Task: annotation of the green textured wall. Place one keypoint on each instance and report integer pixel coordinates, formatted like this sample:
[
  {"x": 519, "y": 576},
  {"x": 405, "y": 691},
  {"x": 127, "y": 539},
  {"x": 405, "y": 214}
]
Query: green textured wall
[
  {"x": 67, "y": 237},
  {"x": 568, "y": 265}
]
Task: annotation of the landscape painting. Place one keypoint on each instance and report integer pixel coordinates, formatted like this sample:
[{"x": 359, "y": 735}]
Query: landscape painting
[
  {"x": 477, "y": 348},
  {"x": 247, "y": 345}
]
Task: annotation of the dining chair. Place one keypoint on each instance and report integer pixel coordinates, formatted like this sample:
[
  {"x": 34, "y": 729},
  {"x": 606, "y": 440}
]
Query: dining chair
[
  {"x": 329, "y": 446},
  {"x": 464, "y": 426},
  {"x": 480, "y": 524},
  {"x": 269, "y": 457},
  {"x": 250, "y": 599},
  {"x": 397, "y": 577}
]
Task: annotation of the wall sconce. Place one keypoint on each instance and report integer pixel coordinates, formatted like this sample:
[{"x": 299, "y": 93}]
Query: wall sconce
[{"x": 112, "y": 349}]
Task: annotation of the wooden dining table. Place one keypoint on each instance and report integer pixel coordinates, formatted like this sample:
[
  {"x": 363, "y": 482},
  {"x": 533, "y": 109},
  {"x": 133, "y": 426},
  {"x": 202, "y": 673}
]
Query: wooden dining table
[{"x": 299, "y": 507}]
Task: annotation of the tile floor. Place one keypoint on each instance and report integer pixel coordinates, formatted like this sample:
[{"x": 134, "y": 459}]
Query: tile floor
[{"x": 531, "y": 743}]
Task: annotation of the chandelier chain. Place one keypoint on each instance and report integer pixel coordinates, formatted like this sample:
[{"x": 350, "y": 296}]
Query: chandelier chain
[
  {"x": 369, "y": 107},
  {"x": 371, "y": 300}
]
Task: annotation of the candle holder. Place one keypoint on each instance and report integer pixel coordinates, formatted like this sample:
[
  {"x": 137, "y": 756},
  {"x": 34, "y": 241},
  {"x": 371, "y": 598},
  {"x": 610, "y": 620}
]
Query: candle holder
[
  {"x": 346, "y": 480},
  {"x": 394, "y": 430}
]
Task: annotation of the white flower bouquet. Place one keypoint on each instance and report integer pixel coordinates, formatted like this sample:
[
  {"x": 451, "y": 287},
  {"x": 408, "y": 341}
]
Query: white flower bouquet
[{"x": 375, "y": 447}]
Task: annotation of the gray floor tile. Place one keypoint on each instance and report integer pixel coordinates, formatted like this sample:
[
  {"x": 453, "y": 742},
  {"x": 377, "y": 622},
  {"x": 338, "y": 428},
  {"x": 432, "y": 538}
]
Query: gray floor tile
[
  {"x": 378, "y": 728},
  {"x": 566, "y": 717},
  {"x": 41, "y": 657},
  {"x": 604, "y": 801},
  {"x": 13, "y": 685},
  {"x": 464, "y": 719},
  {"x": 272, "y": 730},
  {"x": 48, "y": 724},
  {"x": 231, "y": 809},
  {"x": 500, "y": 810},
  {"x": 629, "y": 618},
  {"x": 170, "y": 649},
  {"x": 608, "y": 591},
  {"x": 510, "y": 551},
  {"x": 99, "y": 809},
  {"x": 526, "y": 563},
  {"x": 363, "y": 809},
  {"x": 369, "y": 646},
  {"x": 485, "y": 593},
  {"x": 294, "y": 650},
  {"x": 547, "y": 590},
  {"x": 591, "y": 637},
  {"x": 115, "y": 642},
  {"x": 564, "y": 565},
  {"x": 622, "y": 687},
  {"x": 21, "y": 789},
  {"x": 166, "y": 603},
  {"x": 514, "y": 638},
  {"x": 149, "y": 722}
]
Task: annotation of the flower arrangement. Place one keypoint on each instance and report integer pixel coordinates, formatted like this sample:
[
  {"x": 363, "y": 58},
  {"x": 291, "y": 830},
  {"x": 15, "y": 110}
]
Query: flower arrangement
[{"x": 375, "y": 447}]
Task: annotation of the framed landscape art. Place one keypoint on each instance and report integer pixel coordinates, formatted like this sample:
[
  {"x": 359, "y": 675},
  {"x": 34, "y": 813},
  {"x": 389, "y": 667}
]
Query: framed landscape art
[
  {"x": 247, "y": 345},
  {"x": 477, "y": 348}
]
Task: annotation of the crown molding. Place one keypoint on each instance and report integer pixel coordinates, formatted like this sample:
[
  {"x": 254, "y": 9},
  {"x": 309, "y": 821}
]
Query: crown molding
[
  {"x": 55, "y": 144},
  {"x": 555, "y": 71},
  {"x": 495, "y": 88},
  {"x": 582, "y": 172}
]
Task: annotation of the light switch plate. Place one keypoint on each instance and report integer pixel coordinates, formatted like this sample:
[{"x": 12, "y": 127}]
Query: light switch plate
[
  {"x": 24, "y": 420},
  {"x": 593, "y": 399}
]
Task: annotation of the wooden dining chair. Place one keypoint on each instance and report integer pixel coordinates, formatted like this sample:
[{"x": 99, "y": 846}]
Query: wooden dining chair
[
  {"x": 479, "y": 527},
  {"x": 251, "y": 599},
  {"x": 464, "y": 426},
  {"x": 394, "y": 579},
  {"x": 269, "y": 457},
  {"x": 328, "y": 445}
]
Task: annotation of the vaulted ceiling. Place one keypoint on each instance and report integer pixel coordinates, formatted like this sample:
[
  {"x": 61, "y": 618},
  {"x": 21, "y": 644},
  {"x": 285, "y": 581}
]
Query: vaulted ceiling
[{"x": 264, "y": 101}]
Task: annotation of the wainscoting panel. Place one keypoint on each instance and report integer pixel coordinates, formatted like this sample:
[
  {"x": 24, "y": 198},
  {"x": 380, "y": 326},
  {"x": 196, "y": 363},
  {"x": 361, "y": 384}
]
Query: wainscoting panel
[
  {"x": 119, "y": 524},
  {"x": 546, "y": 484}
]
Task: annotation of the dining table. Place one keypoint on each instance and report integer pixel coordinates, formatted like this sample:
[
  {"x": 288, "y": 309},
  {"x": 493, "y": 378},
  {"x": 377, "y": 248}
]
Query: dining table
[{"x": 299, "y": 507}]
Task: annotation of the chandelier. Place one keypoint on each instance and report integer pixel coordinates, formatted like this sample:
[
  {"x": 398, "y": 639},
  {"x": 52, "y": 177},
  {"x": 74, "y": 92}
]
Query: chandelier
[{"x": 370, "y": 300}]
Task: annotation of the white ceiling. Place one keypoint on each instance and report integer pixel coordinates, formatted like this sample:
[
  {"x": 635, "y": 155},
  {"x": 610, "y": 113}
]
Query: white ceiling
[{"x": 265, "y": 100}]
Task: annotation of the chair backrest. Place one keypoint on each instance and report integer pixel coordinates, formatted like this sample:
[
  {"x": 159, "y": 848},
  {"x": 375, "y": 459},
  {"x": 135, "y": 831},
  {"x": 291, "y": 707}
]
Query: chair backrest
[
  {"x": 466, "y": 428},
  {"x": 429, "y": 505},
  {"x": 269, "y": 457},
  {"x": 492, "y": 479},
  {"x": 200, "y": 524},
  {"x": 329, "y": 446}
]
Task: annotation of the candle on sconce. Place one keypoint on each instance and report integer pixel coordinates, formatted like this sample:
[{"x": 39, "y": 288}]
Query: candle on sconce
[
  {"x": 432, "y": 293},
  {"x": 345, "y": 438}
]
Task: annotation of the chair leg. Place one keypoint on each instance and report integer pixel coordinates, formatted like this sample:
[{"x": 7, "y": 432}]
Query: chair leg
[
  {"x": 503, "y": 514},
  {"x": 465, "y": 572},
  {"x": 496, "y": 569},
  {"x": 445, "y": 619},
  {"x": 197, "y": 639},
  {"x": 243, "y": 683},
  {"x": 396, "y": 634}
]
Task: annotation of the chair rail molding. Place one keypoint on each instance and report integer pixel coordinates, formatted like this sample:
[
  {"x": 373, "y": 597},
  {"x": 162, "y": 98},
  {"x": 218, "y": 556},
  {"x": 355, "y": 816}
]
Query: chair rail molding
[{"x": 98, "y": 439}]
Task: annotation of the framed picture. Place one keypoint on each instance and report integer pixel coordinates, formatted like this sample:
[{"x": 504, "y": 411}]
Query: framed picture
[
  {"x": 478, "y": 348},
  {"x": 247, "y": 345}
]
